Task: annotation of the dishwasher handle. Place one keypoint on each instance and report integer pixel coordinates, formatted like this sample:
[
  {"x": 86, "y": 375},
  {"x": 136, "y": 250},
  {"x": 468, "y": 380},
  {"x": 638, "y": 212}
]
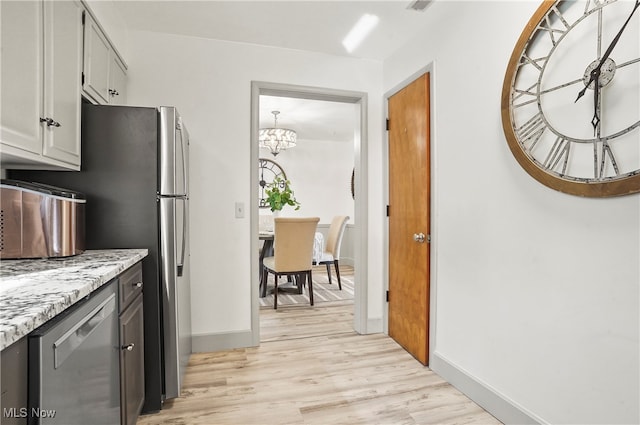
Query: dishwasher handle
[{"x": 75, "y": 336}]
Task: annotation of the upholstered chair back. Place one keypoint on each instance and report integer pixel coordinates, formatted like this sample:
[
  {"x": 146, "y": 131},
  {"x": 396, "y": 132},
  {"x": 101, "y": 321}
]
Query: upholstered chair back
[
  {"x": 293, "y": 242},
  {"x": 334, "y": 238}
]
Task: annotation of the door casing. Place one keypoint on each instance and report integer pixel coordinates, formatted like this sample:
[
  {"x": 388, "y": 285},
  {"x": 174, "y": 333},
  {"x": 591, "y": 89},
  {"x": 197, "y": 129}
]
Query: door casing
[{"x": 258, "y": 88}]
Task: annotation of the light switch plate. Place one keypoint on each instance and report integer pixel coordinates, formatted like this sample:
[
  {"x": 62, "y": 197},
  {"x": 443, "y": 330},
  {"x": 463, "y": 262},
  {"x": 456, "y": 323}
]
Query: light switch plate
[{"x": 239, "y": 209}]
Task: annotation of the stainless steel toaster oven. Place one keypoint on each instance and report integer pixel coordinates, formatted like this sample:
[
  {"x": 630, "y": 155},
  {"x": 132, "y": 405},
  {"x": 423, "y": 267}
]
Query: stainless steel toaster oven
[{"x": 40, "y": 221}]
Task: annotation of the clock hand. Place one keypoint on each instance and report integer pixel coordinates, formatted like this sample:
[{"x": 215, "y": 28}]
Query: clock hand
[
  {"x": 596, "y": 104},
  {"x": 596, "y": 72}
]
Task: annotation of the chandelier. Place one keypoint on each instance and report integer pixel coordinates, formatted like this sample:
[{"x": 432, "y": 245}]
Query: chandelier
[{"x": 276, "y": 139}]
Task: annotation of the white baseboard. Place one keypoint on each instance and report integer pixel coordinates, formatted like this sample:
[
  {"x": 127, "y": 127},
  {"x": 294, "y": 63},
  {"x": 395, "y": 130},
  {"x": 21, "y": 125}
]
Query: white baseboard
[
  {"x": 374, "y": 326},
  {"x": 221, "y": 341},
  {"x": 505, "y": 410}
]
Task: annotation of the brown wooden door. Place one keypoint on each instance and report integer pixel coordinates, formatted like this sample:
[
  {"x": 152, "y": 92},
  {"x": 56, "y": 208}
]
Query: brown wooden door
[{"x": 409, "y": 194}]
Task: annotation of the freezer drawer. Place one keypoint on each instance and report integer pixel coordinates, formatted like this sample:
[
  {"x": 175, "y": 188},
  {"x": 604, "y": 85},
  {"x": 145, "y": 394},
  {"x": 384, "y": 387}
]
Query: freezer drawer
[{"x": 73, "y": 364}]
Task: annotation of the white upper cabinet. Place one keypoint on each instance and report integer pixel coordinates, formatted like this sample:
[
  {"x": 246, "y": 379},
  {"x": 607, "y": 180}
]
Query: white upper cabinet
[
  {"x": 21, "y": 35},
  {"x": 44, "y": 48},
  {"x": 41, "y": 45},
  {"x": 63, "y": 74},
  {"x": 118, "y": 81},
  {"x": 104, "y": 72}
]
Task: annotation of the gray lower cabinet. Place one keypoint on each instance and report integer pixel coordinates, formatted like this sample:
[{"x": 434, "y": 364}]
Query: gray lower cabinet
[
  {"x": 13, "y": 385},
  {"x": 14, "y": 362},
  {"x": 131, "y": 345}
]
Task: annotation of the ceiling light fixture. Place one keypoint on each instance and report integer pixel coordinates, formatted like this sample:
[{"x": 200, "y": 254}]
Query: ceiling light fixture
[
  {"x": 276, "y": 139},
  {"x": 360, "y": 30}
]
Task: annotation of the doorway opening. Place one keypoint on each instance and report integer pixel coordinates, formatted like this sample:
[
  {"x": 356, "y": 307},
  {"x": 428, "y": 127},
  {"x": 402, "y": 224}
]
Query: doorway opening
[{"x": 359, "y": 219}]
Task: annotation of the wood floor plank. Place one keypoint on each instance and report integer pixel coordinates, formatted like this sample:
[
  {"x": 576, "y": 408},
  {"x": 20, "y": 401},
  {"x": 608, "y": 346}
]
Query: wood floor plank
[{"x": 312, "y": 368}]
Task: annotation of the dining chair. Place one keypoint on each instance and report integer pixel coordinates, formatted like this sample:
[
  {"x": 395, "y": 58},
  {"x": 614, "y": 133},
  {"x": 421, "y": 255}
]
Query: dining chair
[
  {"x": 331, "y": 252},
  {"x": 293, "y": 252}
]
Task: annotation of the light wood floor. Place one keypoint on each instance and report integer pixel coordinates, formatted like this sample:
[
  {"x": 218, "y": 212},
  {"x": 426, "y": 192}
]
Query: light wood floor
[{"x": 312, "y": 368}]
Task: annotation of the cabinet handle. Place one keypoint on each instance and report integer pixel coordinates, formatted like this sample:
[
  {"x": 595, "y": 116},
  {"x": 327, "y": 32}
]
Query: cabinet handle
[
  {"x": 128, "y": 347},
  {"x": 137, "y": 285},
  {"x": 50, "y": 122}
]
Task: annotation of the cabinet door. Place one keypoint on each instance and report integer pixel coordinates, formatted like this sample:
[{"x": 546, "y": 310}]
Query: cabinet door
[
  {"x": 96, "y": 62},
  {"x": 62, "y": 81},
  {"x": 13, "y": 394},
  {"x": 132, "y": 362},
  {"x": 21, "y": 61},
  {"x": 118, "y": 81}
]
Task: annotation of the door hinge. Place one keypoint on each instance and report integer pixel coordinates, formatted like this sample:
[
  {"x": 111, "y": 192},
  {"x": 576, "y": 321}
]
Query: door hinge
[
  {"x": 83, "y": 17},
  {"x": 387, "y": 124},
  {"x": 82, "y": 78},
  {"x": 387, "y": 296},
  {"x": 387, "y": 210}
]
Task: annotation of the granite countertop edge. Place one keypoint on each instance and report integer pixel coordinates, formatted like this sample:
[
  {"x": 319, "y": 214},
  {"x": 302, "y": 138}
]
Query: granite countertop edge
[{"x": 33, "y": 292}]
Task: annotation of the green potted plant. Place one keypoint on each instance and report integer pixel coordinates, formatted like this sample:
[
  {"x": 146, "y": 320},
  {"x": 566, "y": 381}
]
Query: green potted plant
[{"x": 279, "y": 194}]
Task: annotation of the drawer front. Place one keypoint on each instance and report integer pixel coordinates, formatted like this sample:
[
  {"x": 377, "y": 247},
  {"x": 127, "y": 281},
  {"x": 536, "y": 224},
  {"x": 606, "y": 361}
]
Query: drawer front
[{"x": 130, "y": 285}]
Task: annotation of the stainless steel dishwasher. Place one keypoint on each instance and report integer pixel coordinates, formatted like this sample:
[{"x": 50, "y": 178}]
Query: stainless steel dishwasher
[{"x": 73, "y": 364}]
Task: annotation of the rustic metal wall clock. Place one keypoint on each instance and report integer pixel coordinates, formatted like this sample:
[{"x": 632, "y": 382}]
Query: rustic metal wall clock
[
  {"x": 268, "y": 170},
  {"x": 571, "y": 97}
]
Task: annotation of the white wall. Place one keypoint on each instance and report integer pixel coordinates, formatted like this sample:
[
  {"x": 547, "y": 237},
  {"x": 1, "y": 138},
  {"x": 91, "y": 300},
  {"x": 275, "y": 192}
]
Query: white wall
[
  {"x": 210, "y": 83},
  {"x": 320, "y": 175},
  {"x": 536, "y": 292}
]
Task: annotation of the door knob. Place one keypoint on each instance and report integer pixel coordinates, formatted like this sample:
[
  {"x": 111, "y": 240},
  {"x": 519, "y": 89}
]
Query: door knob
[{"x": 419, "y": 237}]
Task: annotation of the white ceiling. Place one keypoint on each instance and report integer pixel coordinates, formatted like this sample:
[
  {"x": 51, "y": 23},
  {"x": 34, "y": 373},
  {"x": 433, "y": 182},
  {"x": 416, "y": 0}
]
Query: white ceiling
[
  {"x": 316, "y": 25},
  {"x": 311, "y": 119}
]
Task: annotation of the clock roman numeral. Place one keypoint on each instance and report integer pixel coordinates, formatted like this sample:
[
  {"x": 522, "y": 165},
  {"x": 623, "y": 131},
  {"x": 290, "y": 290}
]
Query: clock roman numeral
[
  {"x": 600, "y": 160},
  {"x": 519, "y": 94},
  {"x": 595, "y": 4},
  {"x": 550, "y": 24},
  {"x": 531, "y": 131},
  {"x": 537, "y": 62},
  {"x": 558, "y": 155}
]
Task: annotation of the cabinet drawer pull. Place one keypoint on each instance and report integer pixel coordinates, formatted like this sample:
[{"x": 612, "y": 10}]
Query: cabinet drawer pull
[
  {"x": 128, "y": 347},
  {"x": 137, "y": 285}
]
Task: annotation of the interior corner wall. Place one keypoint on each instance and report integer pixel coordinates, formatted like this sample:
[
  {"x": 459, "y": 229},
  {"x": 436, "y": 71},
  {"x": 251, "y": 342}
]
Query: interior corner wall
[
  {"x": 320, "y": 175},
  {"x": 536, "y": 292},
  {"x": 209, "y": 81}
]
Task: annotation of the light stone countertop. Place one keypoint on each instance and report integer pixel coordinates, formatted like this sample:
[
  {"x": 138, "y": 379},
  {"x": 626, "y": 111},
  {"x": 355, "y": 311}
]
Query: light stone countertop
[{"x": 35, "y": 291}]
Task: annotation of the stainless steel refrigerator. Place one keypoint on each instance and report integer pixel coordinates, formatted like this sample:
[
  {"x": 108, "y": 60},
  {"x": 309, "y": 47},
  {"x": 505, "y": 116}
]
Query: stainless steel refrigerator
[{"x": 135, "y": 167}]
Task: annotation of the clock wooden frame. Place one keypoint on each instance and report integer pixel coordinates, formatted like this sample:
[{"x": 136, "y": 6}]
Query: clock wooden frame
[{"x": 576, "y": 186}]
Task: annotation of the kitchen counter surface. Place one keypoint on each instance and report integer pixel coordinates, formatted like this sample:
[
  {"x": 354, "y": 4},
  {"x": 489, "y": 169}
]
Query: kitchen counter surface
[{"x": 35, "y": 291}]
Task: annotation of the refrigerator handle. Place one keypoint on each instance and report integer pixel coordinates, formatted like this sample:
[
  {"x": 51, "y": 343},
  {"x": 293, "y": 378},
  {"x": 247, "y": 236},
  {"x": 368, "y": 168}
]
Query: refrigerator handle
[
  {"x": 180, "y": 267},
  {"x": 184, "y": 153}
]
